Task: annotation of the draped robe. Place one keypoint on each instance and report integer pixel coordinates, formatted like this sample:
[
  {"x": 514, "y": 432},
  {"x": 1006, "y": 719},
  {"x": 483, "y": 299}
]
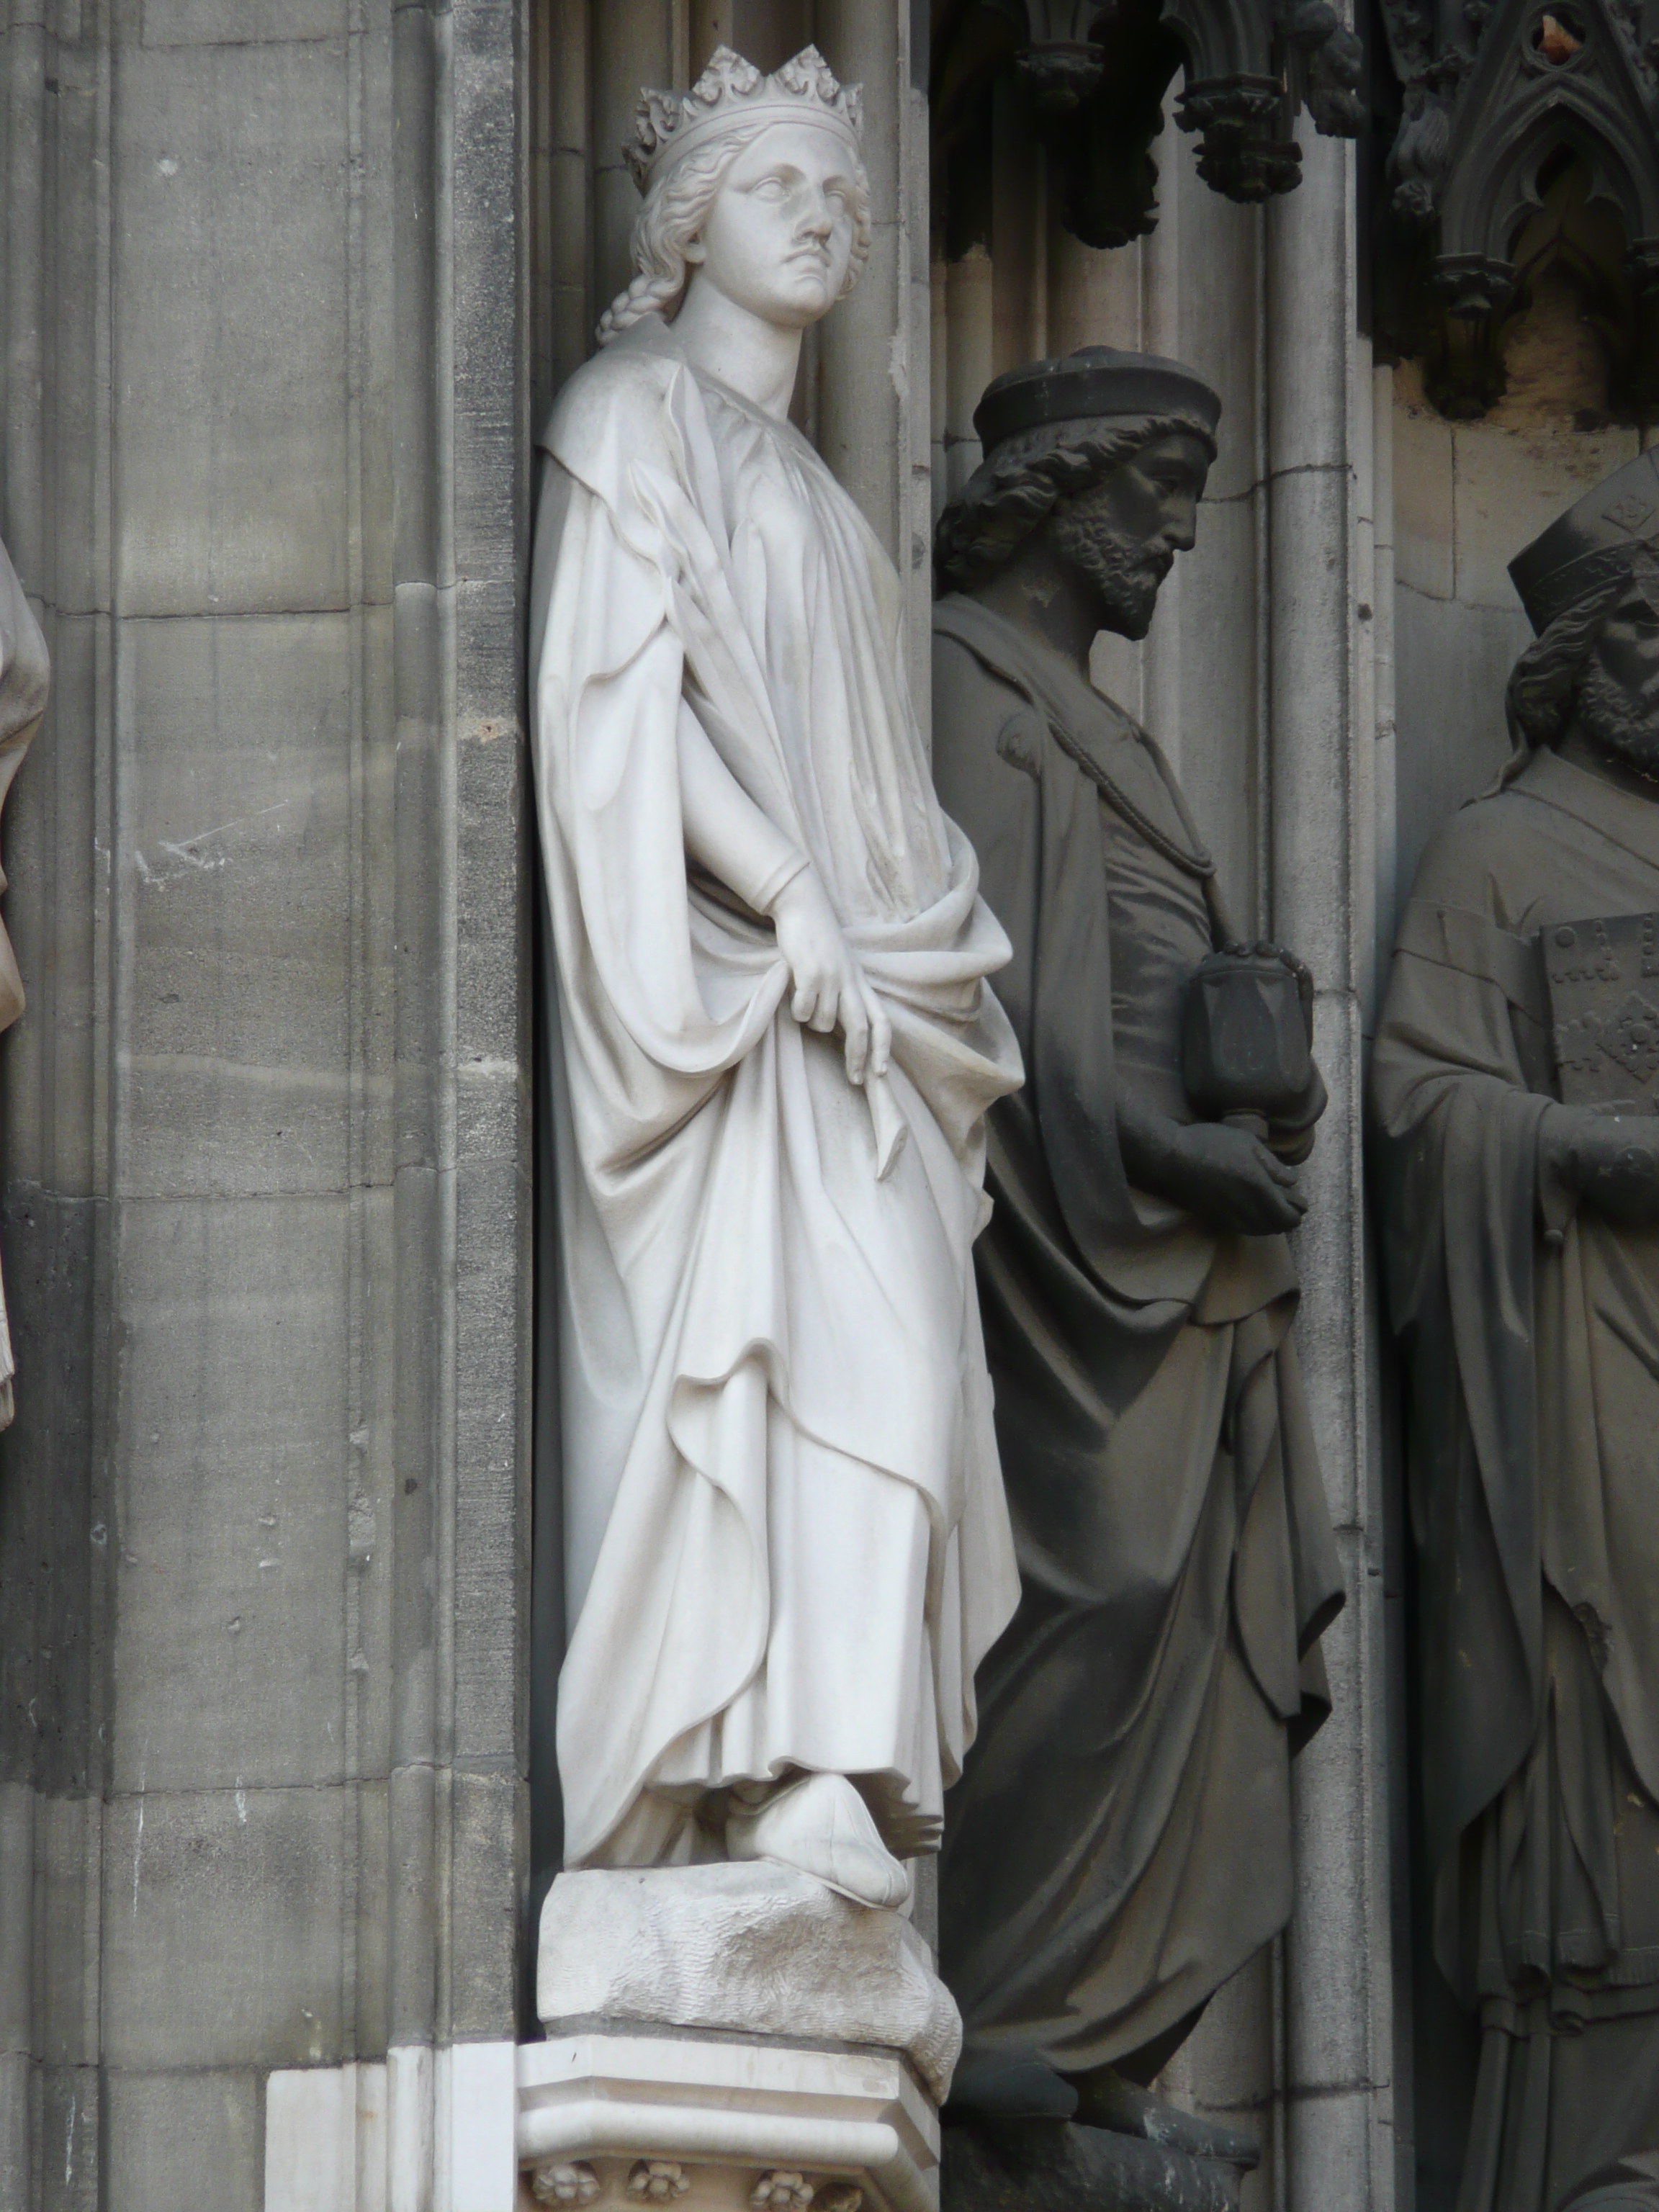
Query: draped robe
[
  {"x": 1531, "y": 1331},
  {"x": 787, "y": 1544},
  {"x": 1120, "y": 1842}
]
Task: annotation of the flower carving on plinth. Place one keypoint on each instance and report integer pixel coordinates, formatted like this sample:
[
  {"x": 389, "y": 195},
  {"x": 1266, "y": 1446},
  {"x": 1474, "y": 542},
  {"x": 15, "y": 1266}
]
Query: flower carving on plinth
[
  {"x": 781, "y": 2191},
  {"x": 555, "y": 2181},
  {"x": 658, "y": 2181}
]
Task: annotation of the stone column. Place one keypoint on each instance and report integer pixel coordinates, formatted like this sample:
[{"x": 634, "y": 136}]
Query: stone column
[
  {"x": 633, "y": 43},
  {"x": 261, "y": 1525},
  {"x": 1387, "y": 832},
  {"x": 561, "y": 306},
  {"x": 1339, "y": 1996}
]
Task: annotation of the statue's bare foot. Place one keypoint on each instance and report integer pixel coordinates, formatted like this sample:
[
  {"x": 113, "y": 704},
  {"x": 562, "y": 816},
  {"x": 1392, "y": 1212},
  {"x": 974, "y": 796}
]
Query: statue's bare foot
[{"x": 822, "y": 1826}]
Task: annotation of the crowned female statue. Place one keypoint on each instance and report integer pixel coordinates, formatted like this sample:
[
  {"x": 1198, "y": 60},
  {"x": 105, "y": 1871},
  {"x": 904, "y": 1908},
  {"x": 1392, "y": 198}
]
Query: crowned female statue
[{"x": 786, "y": 1547}]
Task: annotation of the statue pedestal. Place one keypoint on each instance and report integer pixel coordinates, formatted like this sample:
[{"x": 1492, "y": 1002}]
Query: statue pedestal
[{"x": 731, "y": 2038}]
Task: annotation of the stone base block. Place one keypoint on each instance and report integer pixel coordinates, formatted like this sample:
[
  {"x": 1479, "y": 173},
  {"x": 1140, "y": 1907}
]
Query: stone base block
[
  {"x": 731, "y": 2038},
  {"x": 633, "y": 2122},
  {"x": 755, "y": 1947}
]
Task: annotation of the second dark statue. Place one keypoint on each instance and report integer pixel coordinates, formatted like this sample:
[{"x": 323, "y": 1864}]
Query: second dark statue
[
  {"x": 1120, "y": 1844},
  {"x": 1514, "y": 1093}
]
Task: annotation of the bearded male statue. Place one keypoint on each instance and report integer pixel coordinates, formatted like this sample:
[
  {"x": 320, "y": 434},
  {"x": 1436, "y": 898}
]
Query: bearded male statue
[
  {"x": 1513, "y": 1092},
  {"x": 1120, "y": 1843},
  {"x": 786, "y": 1543}
]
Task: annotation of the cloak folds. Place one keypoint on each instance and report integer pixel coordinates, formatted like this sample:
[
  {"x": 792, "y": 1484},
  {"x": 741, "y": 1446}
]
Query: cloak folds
[
  {"x": 786, "y": 1539},
  {"x": 1120, "y": 1842},
  {"x": 1531, "y": 1333}
]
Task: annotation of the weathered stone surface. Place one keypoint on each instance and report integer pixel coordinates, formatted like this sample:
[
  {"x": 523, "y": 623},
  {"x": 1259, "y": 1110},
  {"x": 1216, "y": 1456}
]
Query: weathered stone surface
[
  {"x": 1425, "y": 544},
  {"x": 1510, "y": 488},
  {"x": 232, "y": 477},
  {"x": 179, "y": 2139},
  {"x": 222, "y": 1931},
  {"x": 241, "y": 22},
  {"x": 758, "y": 1948},
  {"x": 232, "y": 1531},
  {"x": 1452, "y": 663},
  {"x": 248, "y": 393},
  {"x": 239, "y": 1025}
]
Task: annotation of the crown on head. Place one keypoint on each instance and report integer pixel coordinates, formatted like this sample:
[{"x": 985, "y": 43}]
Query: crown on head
[{"x": 729, "y": 91}]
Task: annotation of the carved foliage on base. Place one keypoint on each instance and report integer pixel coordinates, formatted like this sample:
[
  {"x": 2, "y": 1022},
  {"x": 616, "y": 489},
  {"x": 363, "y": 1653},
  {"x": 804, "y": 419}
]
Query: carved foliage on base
[{"x": 664, "y": 2181}]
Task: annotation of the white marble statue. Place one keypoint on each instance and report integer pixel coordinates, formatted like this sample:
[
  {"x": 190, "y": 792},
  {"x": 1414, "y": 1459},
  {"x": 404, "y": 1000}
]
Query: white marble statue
[
  {"x": 25, "y": 672},
  {"x": 787, "y": 1543}
]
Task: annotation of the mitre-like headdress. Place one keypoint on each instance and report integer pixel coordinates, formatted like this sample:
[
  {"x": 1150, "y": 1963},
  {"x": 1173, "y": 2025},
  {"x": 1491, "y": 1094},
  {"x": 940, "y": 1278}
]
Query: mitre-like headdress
[
  {"x": 669, "y": 125},
  {"x": 1613, "y": 532}
]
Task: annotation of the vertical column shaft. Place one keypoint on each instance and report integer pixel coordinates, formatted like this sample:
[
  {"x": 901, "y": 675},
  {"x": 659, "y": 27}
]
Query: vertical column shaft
[
  {"x": 632, "y": 44},
  {"x": 1338, "y": 1993}
]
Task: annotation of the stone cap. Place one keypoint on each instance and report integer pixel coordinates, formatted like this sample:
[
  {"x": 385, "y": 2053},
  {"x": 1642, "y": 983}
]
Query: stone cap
[
  {"x": 1094, "y": 384},
  {"x": 749, "y": 1948}
]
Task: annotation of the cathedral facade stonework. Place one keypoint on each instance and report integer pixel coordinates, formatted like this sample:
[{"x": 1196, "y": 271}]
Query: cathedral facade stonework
[{"x": 752, "y": 1460}]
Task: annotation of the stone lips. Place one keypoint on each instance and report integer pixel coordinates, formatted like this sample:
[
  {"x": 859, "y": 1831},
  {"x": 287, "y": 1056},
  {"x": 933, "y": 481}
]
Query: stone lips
[
  {"x": 756, "y": 1949},
  {"x": 1094, "y": 382}
]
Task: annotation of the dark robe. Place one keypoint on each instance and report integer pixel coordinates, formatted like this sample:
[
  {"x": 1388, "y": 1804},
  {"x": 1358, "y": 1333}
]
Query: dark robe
[
  {"x": 1532, "y": 1337},
  {"x": 1120, "y": 1842}
]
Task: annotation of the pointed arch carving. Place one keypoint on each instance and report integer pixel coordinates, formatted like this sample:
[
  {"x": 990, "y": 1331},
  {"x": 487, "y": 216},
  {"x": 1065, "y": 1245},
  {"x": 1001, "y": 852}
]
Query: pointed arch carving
[
  {"x": 1483, "y": 117},
  {"x": 1098, "y": 72}
]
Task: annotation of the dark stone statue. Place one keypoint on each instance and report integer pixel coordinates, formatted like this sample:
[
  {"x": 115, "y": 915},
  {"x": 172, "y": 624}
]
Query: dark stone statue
[
  {"x": 1514, "y": 1098},
  {"x": 1120, "y": 1843}
]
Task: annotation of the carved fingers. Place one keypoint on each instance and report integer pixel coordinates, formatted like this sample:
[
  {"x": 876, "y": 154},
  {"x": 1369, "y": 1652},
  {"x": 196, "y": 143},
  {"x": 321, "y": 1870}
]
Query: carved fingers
[
  {"x": 829, "y": 990},
  {"x": 1230, "y": 1180}
]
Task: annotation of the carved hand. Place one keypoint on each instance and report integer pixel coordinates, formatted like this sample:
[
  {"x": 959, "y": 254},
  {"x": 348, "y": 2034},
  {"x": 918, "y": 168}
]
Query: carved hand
[
  {"x": 828, "y": 985},
  {"x": 1224, "y": 1176},
  {"x": 1609, "y": 1158}
]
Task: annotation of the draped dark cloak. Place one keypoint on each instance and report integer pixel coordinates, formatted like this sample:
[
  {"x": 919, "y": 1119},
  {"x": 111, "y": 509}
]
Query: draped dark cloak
[
  {"x": 1120, "y": 1842},
  {"x": 1531, "y": 1333}
]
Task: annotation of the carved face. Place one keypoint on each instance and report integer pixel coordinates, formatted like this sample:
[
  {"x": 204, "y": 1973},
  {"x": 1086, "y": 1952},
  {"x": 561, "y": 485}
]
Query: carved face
[
  {"x": 778, "y": 240},
  {"x": 1123, "y": 535},
  {"x": 1618, "y": 697}
]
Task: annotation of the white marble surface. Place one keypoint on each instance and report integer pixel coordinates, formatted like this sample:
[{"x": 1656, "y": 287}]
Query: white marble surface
[
  {"x": 422, "y": 2131},
  {"x": 786, "y": 1546},
  {"x": 724, "y": 2126},
  {"x": 760, "y": 1949}
]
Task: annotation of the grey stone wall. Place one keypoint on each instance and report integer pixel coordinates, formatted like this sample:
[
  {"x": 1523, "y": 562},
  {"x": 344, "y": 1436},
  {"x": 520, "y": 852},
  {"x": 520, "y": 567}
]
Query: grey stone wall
[{"x": 263, "y": 1524}]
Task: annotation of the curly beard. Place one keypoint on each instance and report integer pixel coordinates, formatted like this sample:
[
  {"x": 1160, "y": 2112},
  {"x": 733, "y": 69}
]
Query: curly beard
[
  {"x": 1125, "y": 574},
  {"x": 1624, "y": 727}
]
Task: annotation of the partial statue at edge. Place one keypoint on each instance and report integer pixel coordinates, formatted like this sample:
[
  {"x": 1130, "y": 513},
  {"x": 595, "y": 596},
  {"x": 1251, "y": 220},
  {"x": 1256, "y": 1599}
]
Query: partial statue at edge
[
  {"x": 25, "y": 676},
  {"x": 1120, "y": 1844},
  {"x": 786, "y": 1539},
  {"x": 1516, "y": 1080}
]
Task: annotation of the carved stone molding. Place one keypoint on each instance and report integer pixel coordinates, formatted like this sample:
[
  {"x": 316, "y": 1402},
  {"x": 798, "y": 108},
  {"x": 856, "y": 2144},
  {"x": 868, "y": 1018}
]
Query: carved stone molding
[
  {"x": 1489, "y": 108},
  {"x": 1097, "y": 77}
]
